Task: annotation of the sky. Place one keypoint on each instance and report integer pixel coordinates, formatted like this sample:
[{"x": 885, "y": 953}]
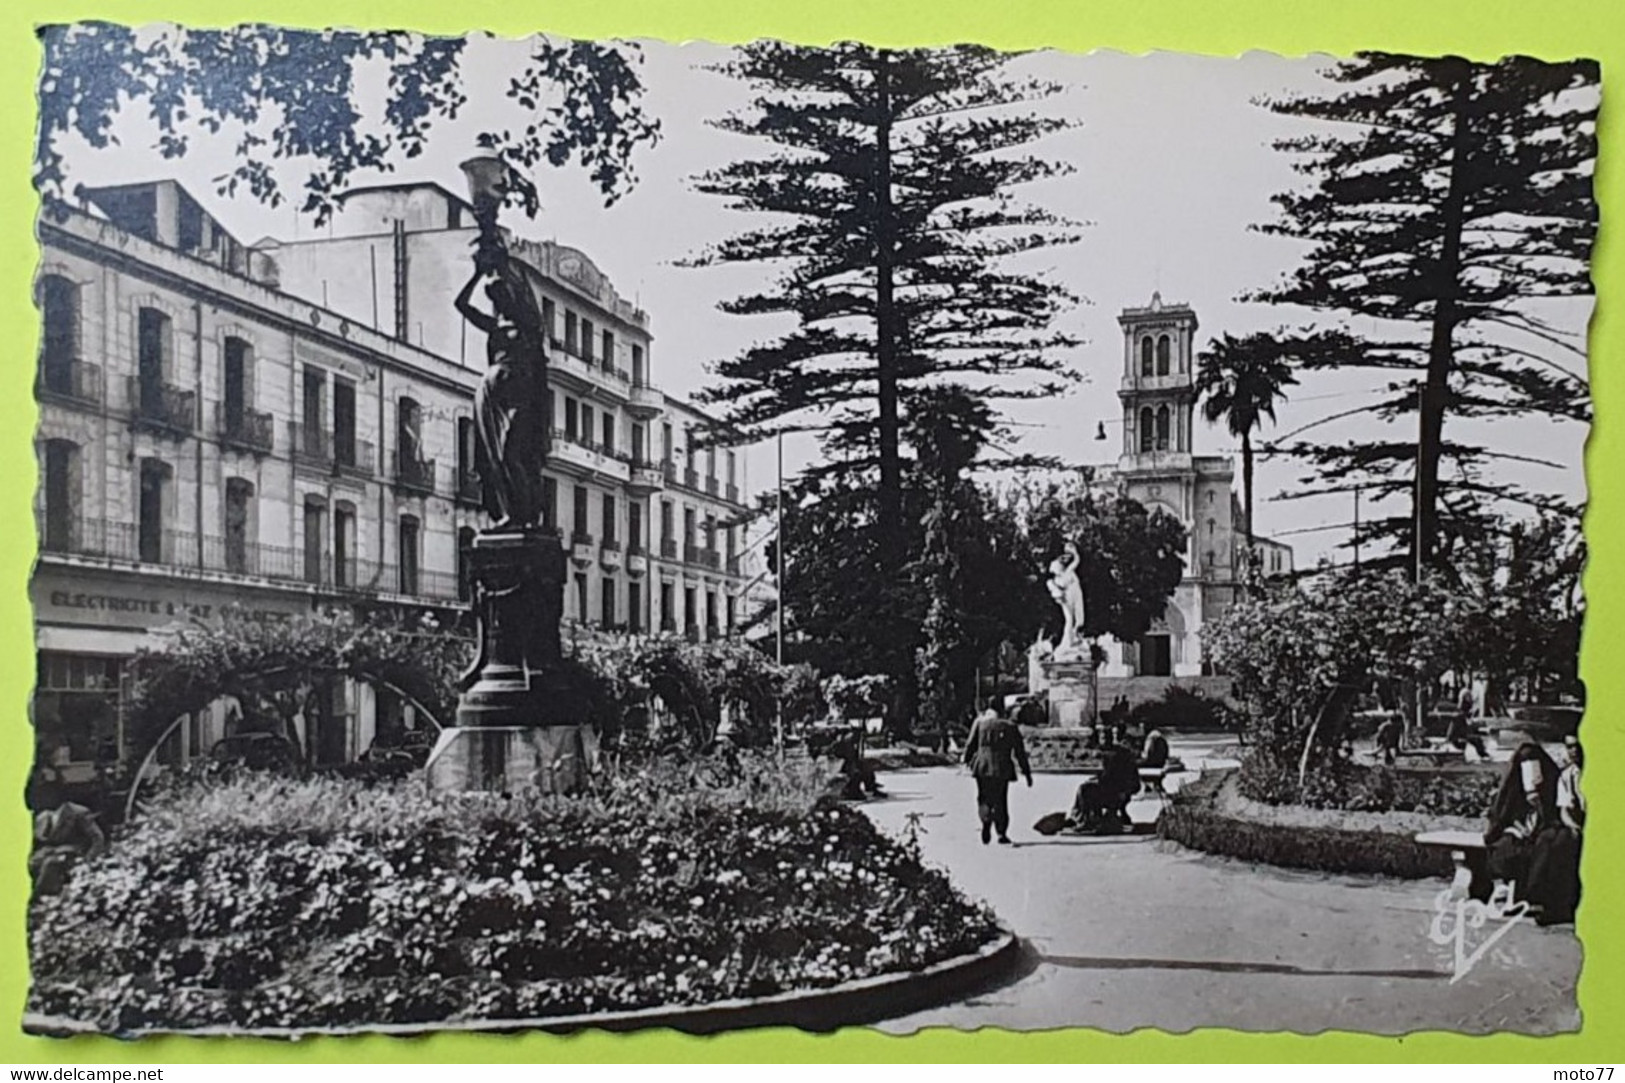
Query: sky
[{"x": 1172, "y": 166}]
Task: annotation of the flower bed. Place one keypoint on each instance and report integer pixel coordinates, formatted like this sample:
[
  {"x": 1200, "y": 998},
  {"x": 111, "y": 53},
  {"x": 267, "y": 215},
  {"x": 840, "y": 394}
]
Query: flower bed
[
  {"x": 1430, "y": 791},
  {"x": 1211, "y": 815},
  {"x": 267, "y": 903}
]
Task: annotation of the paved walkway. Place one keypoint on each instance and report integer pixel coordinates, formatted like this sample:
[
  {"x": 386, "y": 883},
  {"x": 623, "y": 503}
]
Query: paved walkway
[{"x": 1130, "y": 932}]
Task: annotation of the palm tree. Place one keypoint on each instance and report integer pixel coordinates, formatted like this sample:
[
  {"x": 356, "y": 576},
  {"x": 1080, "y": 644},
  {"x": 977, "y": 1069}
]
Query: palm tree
[{"x": 1240, "y": 380}]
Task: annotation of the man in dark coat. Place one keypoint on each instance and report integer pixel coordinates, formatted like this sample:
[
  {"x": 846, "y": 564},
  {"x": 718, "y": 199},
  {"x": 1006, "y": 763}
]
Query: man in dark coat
[{"x": 994, "y": 750}]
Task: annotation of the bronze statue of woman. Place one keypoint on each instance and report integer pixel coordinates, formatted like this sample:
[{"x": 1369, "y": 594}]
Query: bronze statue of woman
[{"x": 510, "y": 405}]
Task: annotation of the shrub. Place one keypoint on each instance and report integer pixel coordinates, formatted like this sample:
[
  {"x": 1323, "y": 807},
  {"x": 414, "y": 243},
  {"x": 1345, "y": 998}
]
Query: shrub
[
  {"x": 1181, "y": 709},
  {"x": 1198, "y": 819},
  {"x": 1271, "y": 779},
  {"x": 274, "y": 902}
]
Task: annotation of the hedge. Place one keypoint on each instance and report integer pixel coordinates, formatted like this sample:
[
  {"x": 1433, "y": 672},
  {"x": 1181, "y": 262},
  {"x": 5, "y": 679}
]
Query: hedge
[
  {"x": 274, "y": 903},
  {"x": 1202, "y": 817}
]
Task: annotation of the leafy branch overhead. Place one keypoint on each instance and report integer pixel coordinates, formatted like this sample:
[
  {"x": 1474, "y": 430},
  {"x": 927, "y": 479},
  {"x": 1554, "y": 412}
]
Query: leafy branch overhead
[{"x": 300, "y": 97}]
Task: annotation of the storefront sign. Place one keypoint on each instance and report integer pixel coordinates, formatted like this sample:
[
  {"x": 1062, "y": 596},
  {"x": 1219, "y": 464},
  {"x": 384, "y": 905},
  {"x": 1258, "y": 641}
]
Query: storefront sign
[{"x": 129, "y": 604}]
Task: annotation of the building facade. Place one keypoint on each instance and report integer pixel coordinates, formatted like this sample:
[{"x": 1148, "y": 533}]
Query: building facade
[
  {"x": 287, "y": 427},
  {"x": 1160, "y": 468}
]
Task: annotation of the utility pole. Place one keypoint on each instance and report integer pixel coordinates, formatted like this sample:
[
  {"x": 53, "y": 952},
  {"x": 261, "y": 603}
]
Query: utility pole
[{"x": 778, "y": 613}]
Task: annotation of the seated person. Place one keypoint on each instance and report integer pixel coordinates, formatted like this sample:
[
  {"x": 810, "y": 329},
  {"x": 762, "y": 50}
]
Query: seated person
[
  {"x": 1528, "y": 843},
  {"x": 62, "y": 836},
  {"x": 858, "y": 778},
  {"x": 1155, "y": 752},
  {"x": 1388, "y": 735},
  {"x": 1102, "y": 803},
  {"x": 1461, "y": 733}
]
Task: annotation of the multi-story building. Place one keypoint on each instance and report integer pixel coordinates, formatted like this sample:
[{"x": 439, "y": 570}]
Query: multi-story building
[
  {"x": 1159, "y": 467},
  {"x": 288, "y": 426}
]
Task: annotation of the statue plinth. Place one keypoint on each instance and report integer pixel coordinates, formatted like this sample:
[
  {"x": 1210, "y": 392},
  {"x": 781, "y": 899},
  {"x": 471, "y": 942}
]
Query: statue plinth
[
  {"x": 1072, "y": 690},
  {"x": 522, "y": 719}
]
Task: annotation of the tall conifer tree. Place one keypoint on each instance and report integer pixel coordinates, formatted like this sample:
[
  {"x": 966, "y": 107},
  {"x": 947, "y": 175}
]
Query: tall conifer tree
[{"x": 1449, "y": 201}]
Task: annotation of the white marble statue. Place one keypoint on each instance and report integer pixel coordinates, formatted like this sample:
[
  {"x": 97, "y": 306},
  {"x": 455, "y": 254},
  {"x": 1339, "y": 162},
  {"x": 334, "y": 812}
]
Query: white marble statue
[{"x": 1067, "y": 591}]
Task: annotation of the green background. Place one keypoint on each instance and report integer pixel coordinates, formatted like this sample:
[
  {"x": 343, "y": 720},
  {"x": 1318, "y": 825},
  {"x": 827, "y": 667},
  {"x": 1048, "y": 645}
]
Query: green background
[{"x": 1480, "y": 29}]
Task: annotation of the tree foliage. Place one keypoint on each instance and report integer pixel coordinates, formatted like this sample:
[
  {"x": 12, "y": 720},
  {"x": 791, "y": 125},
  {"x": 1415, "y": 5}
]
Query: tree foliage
[
  {"x": 1449, "y": 201},
  {"x": 1132, "y": 558},
  {"x": 1239, "y": 381},
  {"x": 296, "y": 97}
]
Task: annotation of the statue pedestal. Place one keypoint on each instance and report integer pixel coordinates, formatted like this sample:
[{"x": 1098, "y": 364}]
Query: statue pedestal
[
  {"x": 1071, "y": 683},
  {"x": 522, "y": 719}
]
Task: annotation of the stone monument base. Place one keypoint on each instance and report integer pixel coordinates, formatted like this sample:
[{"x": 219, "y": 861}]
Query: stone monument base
[
  {"x": 511, "y": 759},
  {"x": 1071, "y": 684}
]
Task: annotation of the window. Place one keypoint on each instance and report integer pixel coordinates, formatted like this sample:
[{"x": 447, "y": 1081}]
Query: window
[
  {"x": 466, "y": 451},
  {"x": 668, "y": 619},
  {"x": 550, "y": 320},
  {"x": 639, "y": 377},
  {"x": 634, "y": 527},
  {"x": 409, "y": 540},
  {"x": 1147, "y": 353},
  {"x": 571, "y": 418},
  {"x": 344, "y": 545},
  {"x": 1212, "y": 526},
  {"x": 609, "y": 351},
  {"x": 609, "y": 434},
  {"x": 76, "y": 707},
  {"x": 666, "y": 520},
  {"x": 690, "y": 610},
  {"x": 315, "y": 537},
  {"x": 1156, "y": 656},
  {"x": 586, "y": 424},
  {"x": 634, "y": 607},
  {"x": 570, "y": 338},
  {"x": 1148, "y": 435},
  {"x": 408, "y": 432},
  {"x": 1164, "y": 346},
  {"x": 61, "y": 494},
  {"x": 59, "y": 302},
  {"x": 728, "y": 541},
  {"x": 665, "y": 442},
  {"x": 711, "y": 533},
  {"x": 154, "y": 348},
  {"x": 711, "y": 463},
  {"x": 581, "y": 597},
  {"x": 465, "y": 548},
  {"x": 238, "y": 365},
  {"x": 733, "y": 467},
  {"x": 730, "y": 625},
  {"x": 609, "y": 520},
  {"x": 579, "y": 507},
  {"x": 150, "y": 512},
  {"x": 710, "y": 612},
  {"x": 310, "y": 413},
  {"x": 689, "y": 526},
  {"x": 1162, "y": 428},
  {"x": 586, "y": 340},
  {"x": 345, "y": 450},
  {"x": 239, "y": 496},
  {"x": 550, "y": 503},
  {"x": 606, "y": 602},
  {"x": 639, "y": 438}
]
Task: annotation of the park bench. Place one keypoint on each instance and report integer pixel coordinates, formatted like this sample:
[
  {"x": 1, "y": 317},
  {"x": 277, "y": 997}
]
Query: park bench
[{"x": 1469, "y": 854}]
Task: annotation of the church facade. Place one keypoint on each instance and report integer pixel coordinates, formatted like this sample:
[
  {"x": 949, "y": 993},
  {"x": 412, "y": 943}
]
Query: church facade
[{"x": 1159, "y": 466}]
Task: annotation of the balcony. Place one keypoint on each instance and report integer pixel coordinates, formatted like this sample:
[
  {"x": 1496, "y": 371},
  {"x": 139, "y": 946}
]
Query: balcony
[
  {"x": 644, "y": 402},
  {"x": 732, "y": 564},
  {"x": 572, "y": 370},
  {"x": 162, "y": 408},
  {"x": 668, "y": 548},
  {"x": 311, "y": 445},
  {"x": 583, "y": 458},
  {"x": 710, "y": 486},
  {"x": 733, "y": 493},
  {"x": 645, "y": 478},
  {"x": 581, "y": 547},
  {"x": 691, "y": 478},
  {"x": 244, "y": 429},
  {"x": 637, "y": 564},
  {"x": 414, "y": 473},
  {"x": 73, "y": 382},
  {"x": 609, "y": 555},
  {"x": 468, "y": 487},
  {"x": 353, "y": 457},
  {"x": 691, "y": 554},
  {"x": 237, "y": 556}
]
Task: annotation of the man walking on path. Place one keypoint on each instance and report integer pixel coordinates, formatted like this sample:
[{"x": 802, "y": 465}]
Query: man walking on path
[{"x": 994, "y": 750}]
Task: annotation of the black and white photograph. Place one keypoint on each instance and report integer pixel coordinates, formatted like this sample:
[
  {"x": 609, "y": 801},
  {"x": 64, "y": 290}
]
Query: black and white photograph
[{"x": 548, "y": 534}]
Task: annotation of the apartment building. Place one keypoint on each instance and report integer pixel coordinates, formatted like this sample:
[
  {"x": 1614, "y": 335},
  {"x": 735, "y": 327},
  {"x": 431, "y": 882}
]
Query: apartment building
[{"x": 288, "y": 426}]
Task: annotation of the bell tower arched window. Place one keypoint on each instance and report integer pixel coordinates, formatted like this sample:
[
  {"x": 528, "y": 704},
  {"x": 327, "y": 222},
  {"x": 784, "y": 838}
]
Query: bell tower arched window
[
  {"x": 1146, "y": 354},
  {"x": 1162, "y": 428},
  {"x": 1148, "y": 433},
  {"x": 1164, "y": 353}
]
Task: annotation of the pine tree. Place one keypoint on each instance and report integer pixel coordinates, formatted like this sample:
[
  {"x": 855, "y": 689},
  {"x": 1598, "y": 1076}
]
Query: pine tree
[
  {"x": 1450, "y": 201},
  {"x": 889, "y": 178}
]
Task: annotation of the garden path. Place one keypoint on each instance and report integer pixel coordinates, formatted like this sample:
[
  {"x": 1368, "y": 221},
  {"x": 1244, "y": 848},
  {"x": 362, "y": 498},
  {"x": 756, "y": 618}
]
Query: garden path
[{"x": 1130, "y": 933}]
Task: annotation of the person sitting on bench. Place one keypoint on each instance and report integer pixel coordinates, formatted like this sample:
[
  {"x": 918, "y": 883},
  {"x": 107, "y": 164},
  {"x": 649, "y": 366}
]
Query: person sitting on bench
[
  {"x": 1461, "y": 732},
  {"x": 1102, "y": 803},
  {"x": 1155, "y": 753}
]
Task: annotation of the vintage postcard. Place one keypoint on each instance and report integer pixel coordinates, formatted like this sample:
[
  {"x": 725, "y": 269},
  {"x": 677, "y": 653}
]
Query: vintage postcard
[{"x": 550, "y": 534}]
